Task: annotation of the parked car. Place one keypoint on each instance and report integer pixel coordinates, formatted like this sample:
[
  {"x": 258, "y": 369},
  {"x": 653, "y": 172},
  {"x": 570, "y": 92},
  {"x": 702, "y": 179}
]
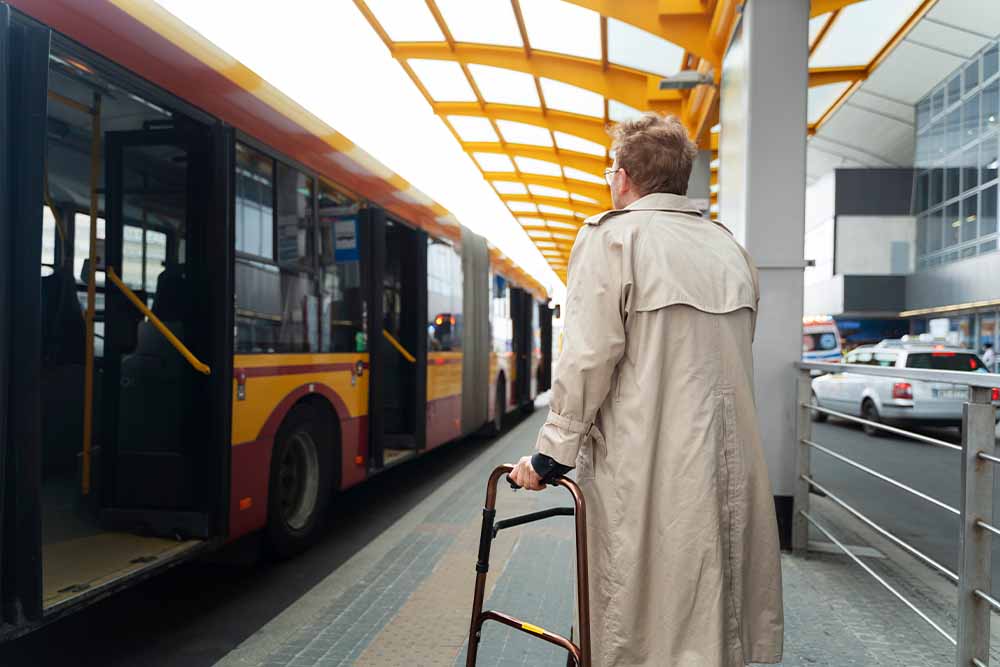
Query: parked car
[{"x": 898, "y": 400}]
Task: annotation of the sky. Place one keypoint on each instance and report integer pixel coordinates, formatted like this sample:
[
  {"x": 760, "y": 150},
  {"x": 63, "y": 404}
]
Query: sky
[{"x": 326, "y": 57}]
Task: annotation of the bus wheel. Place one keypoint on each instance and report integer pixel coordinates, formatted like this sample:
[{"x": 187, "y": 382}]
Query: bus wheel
[{"x": 299, "y": 490}]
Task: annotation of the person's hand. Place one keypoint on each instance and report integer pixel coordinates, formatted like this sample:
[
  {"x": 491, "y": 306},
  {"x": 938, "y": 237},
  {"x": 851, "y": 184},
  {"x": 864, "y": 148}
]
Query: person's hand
[{"x": 525, "y": 476}]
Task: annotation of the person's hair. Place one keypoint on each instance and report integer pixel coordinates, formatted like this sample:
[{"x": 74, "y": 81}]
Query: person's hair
[{"x": 655, "y": 152}]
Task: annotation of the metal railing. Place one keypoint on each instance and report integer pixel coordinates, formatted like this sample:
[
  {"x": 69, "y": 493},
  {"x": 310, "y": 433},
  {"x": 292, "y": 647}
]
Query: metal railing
[{"x": 977, "y": 456}]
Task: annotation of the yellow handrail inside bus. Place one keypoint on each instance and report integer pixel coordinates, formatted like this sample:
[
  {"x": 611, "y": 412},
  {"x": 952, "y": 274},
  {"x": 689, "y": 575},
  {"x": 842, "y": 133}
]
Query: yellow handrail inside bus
[
  {"x": 160, "y": 326},
  {"x": 396, "y": 344}
]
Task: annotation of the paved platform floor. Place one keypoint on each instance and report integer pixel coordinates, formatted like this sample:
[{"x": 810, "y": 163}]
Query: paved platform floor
[{"x": 405, "y": 598}]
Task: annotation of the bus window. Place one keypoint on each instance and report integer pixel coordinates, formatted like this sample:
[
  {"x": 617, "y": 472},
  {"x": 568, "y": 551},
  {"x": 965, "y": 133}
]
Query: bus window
[
  {"x": 444, "y": 296},
  {"x": 81, "y": 245},
  {"x": 342, "y": 325},
  {"x": 254, "y": 203}
]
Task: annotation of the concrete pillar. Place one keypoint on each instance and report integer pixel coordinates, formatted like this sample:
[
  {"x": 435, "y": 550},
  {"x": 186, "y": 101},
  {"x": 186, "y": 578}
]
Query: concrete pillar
[
  {"x": 762, "y": 172},
  {"x": 699, "y": 185}
]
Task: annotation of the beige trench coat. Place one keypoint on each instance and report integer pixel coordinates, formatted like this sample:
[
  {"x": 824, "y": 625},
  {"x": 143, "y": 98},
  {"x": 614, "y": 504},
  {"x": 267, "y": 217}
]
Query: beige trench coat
[{"x": 653, "y": 404}]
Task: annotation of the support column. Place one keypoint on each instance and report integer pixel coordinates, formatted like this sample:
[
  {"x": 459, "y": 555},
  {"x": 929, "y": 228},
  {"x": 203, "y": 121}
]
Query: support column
[
  {"x": 700, "y": 183},
  {"x": 762, "y": 174}
]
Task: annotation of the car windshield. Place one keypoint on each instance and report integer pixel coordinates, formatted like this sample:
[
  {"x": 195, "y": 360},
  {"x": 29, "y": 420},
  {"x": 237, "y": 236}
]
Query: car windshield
[
  {"x": 818, "y": 342},
  {"x": 946, "y": 361}
]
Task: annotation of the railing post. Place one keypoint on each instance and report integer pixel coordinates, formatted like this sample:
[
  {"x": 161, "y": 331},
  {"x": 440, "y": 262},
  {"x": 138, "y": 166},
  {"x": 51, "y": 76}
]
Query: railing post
[
  {"x": 975, "y": 543},
  {"x": 803, "y": 431}
]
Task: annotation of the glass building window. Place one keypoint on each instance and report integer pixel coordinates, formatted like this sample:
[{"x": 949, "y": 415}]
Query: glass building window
[
  {"x": 988, "y": 211},
  {"x": 937, "y": 102},
  {"x": 988, "y": 158},
  {"x": 991, "y": 106},
  {"x": 952, "y": 225},
  {"x": 923, "y": 113},
  {"x": 970, "y": 169},
  {"x": 970, "y": 119},
  {"x": 971, "y": 76},
  {"x": 991, "y": 62},
  {"x": 254, "y": 202},
  {"x": 922, "y": 194},
  {"x": 934, "y": 234},
  {"x": 953, "y": 130},
  {"x": 951, "y": 177},
  {"x": 921, "y": 235},
  {"x": 954, "y": 89},
  {"x": 970, "y": 218},
  {"x": 937, "y": 187}
]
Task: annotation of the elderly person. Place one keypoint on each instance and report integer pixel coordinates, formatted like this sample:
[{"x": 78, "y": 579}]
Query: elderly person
[{"x": 653, "y": 405}]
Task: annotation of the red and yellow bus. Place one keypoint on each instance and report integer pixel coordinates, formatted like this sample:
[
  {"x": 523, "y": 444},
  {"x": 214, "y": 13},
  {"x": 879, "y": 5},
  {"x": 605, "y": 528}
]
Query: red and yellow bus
[{"x": 215, "y": 310}]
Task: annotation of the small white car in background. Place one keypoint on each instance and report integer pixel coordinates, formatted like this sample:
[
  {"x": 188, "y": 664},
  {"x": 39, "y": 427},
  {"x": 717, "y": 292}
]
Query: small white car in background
[{"x": 898, "y": 400}]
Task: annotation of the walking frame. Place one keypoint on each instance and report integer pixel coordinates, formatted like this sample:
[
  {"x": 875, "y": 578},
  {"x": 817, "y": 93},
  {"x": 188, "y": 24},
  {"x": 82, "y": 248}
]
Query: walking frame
[{"x": 579, "y": 655}]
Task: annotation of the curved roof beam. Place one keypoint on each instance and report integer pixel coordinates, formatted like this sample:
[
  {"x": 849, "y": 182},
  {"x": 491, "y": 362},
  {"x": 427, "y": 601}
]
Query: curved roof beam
[
  {"x": 624, "y": 84},
  {"x": 585, "y": 127},
  {"x": 583, "y": 161},
  {"x": 583, "y": 207},
  {"x": 572, "y": 186}
]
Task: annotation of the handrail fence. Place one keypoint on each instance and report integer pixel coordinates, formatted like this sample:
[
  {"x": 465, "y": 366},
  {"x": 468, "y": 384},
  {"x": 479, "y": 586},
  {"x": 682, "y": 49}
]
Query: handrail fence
[{"x": 978, "y": 456}]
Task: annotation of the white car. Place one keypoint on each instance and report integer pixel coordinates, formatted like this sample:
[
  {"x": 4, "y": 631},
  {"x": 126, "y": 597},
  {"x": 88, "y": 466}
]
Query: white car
[{"x": 898, "y": 400}]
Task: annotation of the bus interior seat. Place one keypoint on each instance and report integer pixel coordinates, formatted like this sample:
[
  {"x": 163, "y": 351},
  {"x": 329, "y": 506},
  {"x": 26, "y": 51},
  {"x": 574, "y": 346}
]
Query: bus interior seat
[
  {"x": 155, "y": 383},
  {"x": 64, "y": 340}
]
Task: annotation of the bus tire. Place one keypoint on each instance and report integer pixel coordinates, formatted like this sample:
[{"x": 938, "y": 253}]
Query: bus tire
[{"x": 300, "y": 478}]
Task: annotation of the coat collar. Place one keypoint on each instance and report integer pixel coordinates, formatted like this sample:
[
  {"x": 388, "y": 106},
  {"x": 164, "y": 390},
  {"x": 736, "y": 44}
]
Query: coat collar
[{"x": 657, "y": 201}]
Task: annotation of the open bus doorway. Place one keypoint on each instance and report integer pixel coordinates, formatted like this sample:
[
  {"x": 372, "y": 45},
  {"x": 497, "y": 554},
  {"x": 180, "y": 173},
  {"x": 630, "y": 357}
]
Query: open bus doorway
[
  {"x": 399, "y": 347},
  {"x": 129, "y": 454}
]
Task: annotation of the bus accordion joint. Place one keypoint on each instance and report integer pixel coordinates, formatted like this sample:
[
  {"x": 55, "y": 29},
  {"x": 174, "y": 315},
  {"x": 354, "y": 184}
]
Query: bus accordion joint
[
  {"x": 396, "y": 344},
  {"x": 160, "y": 326}
]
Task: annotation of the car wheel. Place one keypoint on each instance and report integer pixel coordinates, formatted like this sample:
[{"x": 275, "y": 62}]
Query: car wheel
[
  {"x": 818, "y": 417},
  {"x": 870, "y": 412},
  {"x": 299, "y": 489}
]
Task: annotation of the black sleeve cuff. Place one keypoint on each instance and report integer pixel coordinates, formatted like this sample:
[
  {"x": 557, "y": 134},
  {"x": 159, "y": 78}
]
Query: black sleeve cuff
[{"x": 548, "y": 468}]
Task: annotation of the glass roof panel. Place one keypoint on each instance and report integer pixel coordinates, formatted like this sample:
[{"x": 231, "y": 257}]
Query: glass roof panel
[
  {"x": 815, "y": 25},
  {"x": 546, "y": 244},
  {"x": 554, "y": 210},
  {"x": 473, "y": 128},
  {"x": 407, "y": 21},
  {"x": 860, "y": 31},
  {"x": 634, "y": 47},
  {"x": 522, "y": 207},
  {"x": 581, "y": 175},
  {"x": 510, "y": 188},
  {"x": 561, "y": 225},
  {"x": 588, "y": 200},
  {"x": 571, "y": 142},
  {"x": 530, "y": 165},
  {"x": 493, "y": 162},
  {"x": 484, "y": 21},
  {"x": 523, "y": 133},
  {"x": 505, "y": 86},
  {"x": 531, "y": 221},
  {"x": 539, "y": 234},
  {"x": 619, "y": 112},
  {"x": 443, "y": 80},
  {"x": 821, "y": 97},
  {"x": 567, "y": 97},
  {"x": 568, "y": 237},
  {"x": 554, "y": 25},
  {"x": 545, "y": 191}
]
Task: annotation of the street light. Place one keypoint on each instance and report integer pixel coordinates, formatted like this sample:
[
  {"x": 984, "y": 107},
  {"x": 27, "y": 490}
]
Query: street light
[{"x": 686, "y": 79}]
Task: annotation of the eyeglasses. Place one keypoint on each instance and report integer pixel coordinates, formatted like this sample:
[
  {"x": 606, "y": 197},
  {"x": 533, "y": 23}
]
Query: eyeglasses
[{"x": 609, "y": 173}]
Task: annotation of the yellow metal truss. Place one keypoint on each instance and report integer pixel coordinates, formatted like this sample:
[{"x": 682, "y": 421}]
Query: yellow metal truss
[{"x": 703, "y": 28}]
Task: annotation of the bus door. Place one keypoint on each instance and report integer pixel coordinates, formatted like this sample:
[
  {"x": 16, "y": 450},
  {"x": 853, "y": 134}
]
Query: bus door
[
  {"x": 398, "y": 341},
  {"x": 157, "y": 408},
  {"x": 521, "y": 304}
]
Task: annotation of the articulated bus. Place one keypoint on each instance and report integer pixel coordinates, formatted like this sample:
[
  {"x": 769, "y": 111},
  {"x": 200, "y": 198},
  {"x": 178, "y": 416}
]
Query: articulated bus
[{"x": 215, "y": 310}]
